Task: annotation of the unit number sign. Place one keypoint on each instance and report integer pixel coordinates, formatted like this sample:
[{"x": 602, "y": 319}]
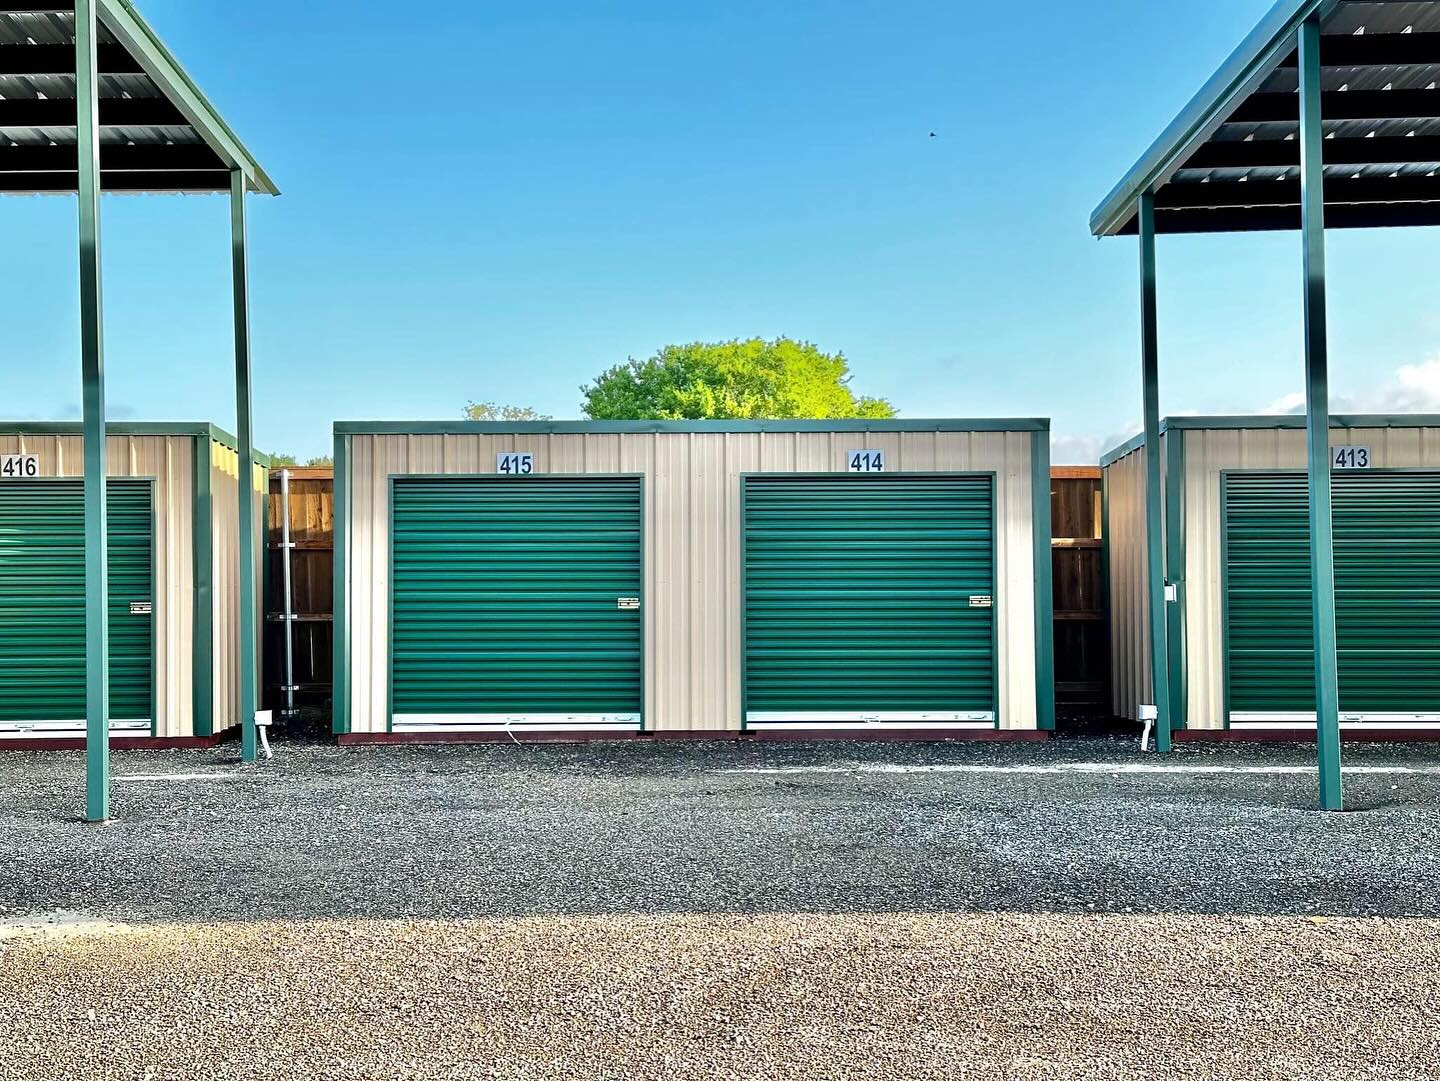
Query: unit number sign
[
  {"x": 865, "y": 461},
  {"x": 1350, "y": 457},
  {"x": 19, "y": 466},
  {"x": 515, "y": 465}
]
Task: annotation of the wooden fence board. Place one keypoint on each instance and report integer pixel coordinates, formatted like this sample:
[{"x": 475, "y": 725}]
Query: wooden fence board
[
  {"x": 1082, "y": 624},
  {"x": 312, "y": 572}
]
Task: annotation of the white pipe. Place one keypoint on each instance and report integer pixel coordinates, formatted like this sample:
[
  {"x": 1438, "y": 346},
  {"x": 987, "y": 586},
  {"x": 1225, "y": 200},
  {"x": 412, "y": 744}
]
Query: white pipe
[{"x": 286, "y": 548}]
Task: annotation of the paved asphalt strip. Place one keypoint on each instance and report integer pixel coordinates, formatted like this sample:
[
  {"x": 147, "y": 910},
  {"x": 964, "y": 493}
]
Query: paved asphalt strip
[{"x": 1135, "y": 768}]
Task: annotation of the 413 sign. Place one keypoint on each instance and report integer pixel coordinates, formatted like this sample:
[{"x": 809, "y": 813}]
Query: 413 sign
[
  {"x": 19, "y": 466},
  {"x": 1350, "y": 457}
]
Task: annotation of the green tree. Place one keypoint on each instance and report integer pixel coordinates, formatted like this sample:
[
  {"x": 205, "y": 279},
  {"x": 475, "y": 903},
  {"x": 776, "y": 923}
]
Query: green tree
[
  {"x": 491, "y": 411},
  {"x": 280, "y": 461},
  {"x": 324, "y": 461},
  {"x": 740, "y": 380}
]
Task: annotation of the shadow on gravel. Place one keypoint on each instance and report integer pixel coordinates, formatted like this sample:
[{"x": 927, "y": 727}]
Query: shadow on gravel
[{"x": 458, "y": 832}]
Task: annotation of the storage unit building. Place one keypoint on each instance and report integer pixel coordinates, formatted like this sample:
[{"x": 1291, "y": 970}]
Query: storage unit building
[
  {"x": 174, "y": 583},
  {"x": 692, "y": 578},
  {"x": 1241, "y": 659}
]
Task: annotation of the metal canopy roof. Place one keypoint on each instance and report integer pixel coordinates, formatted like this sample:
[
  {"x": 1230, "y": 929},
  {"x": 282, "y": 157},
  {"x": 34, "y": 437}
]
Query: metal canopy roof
[
  {"x": 158, "y": 132},
  {"x": 1231, "y": 160}
]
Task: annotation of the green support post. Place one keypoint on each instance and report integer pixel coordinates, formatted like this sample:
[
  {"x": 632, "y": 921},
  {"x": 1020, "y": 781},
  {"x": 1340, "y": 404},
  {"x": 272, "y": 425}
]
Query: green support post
[
  {"x": 245, "y": 448},
  {"x": 1317, "y": 421},
  {"x": 1154, "y": 522},
  {"x": 92, "y": 379}
]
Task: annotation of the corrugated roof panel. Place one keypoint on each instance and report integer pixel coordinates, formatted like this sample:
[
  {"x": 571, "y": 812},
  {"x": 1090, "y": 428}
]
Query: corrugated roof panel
[
  {"x": 159, "y": 110},
  {"x": 1248, "y": 102}
]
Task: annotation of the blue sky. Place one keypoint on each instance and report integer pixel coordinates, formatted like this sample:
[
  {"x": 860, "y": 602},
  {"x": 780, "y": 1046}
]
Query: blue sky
[{"x": 497, "y": 201}]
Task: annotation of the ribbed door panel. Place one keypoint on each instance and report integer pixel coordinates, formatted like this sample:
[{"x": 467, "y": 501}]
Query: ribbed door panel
[
  {"x": 42, "y": 600},
  {"x": 505, "y": 596},
  {"x": 858, "y": 594},
  {"x": 1387, "y": 592}
]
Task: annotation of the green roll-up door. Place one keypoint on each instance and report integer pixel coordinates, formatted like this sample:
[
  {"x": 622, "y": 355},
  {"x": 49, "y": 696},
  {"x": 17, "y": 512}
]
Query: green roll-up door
[
  {"x": 515, "y": 602},
  {"x": 42, "y": 603},
  {"x": 869, "y": 600},
  {"x": 1387, "y": 594}
]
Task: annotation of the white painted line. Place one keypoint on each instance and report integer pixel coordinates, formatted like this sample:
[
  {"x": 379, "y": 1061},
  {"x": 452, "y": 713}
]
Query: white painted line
[
  {"x": 1088, "y": 768},
  {"x": 177, "y": 777}
]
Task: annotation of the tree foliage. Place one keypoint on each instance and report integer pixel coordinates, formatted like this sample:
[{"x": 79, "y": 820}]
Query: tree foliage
[
  {"x": 289, "y": 461},
  {"x": 740, "y": 380},
  {"x": 491, "y": 411}
]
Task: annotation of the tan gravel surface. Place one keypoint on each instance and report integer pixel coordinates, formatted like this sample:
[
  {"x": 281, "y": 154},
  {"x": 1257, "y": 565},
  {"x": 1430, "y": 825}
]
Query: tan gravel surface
[{"x": 828, "y": 997}]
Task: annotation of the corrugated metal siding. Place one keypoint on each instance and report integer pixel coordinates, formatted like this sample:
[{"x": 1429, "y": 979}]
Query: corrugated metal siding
[
  {"x": 1387, "y": 592},
  {"x": 1207, "y": 453},
  {"x": 1125, "y": 548},
  {"x": 506, "y": 596},
  {"x": 42, "y": 600},
  {"x": 692, "y": 535},
  {"x": 169, "y": 460},
  {"x": 225, "y": 514},
  {"x": 858, "y": 595}
]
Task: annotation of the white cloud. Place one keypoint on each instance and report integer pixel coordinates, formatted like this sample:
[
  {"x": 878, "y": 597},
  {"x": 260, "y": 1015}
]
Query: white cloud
[
  {"x": 1413, "y": 388},
  {"x": 1083, "y": 449}
]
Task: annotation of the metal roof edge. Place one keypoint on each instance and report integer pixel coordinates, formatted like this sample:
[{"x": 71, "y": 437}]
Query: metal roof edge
[
  {"x": 1246, "y": 66},
  {"x": 1130, "y": 446},
  {"x": 197, "y": 429},
  {"x": 645, "y": 427},
  {"x": 114, "y": 427},
  {"x": 1297, "y": 420},
  {"x": 1265, "y": 421},
  {"x": 123, "y": 20}
]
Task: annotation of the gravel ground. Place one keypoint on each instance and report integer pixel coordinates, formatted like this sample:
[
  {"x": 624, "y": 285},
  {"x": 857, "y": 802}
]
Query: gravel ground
[
  {"x": 878, "y": 998},
  {"x": 724, "y": 911},
  {"x": 323, "y": 833}
]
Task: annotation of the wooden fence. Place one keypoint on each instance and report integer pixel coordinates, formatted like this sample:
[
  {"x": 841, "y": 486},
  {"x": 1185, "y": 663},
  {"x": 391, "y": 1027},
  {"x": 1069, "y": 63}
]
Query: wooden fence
[
  {"x": 312, "y": 533},
  {"x": 1082, "y": 635}
]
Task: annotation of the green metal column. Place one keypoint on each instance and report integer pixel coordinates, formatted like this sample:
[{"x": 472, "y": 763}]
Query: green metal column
[
  {"x": 92, "y": 379},
  {"x": 1154, "y": 523},
  {"x": 246, "y": 449},
  {"x": 1317, "y": 421}
]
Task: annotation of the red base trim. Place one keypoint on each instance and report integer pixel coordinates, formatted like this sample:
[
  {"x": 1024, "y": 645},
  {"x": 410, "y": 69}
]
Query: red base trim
[
  {"x": 902, "y": 735},
  {"x": 351, "y": 739},
  {"x": 898, "y": 735},
  {"x": 1304, "y": 735},
  {"x": 118, "y": 743}
]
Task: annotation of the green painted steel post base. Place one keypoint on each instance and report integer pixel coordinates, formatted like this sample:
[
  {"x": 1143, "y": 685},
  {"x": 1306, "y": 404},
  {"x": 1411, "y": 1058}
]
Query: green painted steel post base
[
  {"x": 92, "y": 382},
  {"x": 1154, "y": 522},
  {"x": 245, "y": 448},
  {"x": 1317, "y": 422}
]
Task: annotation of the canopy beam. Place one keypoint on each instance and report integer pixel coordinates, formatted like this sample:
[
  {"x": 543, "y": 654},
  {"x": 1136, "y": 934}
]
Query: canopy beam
[
  {"x": 245, "y": 448},
  {"x": 92, "y": 384},
  {"x": 1317, "y": 421},
  {"x": 1154, "y": 522}
]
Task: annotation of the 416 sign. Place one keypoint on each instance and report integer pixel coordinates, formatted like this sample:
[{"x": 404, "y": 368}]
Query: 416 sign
[{"x": 19, "y": 466}]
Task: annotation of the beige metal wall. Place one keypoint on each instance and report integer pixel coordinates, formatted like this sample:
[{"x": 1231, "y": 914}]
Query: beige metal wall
[
  {"x": 1129, "y": 616},
  {"x": 1207, "y": 453},
  {"x": 225, "y": 556},
  {"x": 170, "y": 461},
  {"x": 692, "y": 538}
]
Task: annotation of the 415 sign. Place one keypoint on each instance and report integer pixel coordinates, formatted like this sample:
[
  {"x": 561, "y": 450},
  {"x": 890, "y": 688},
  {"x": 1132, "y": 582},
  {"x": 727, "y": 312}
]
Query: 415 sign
[{"x": 19, "y": 466}]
